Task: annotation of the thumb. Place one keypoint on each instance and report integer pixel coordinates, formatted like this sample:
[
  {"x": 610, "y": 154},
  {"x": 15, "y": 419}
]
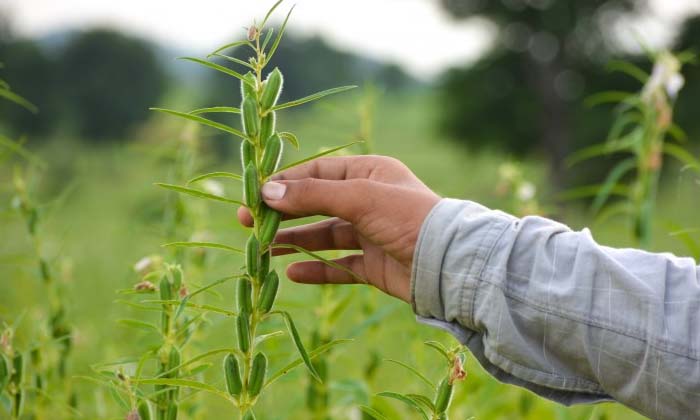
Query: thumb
[{"x": 347, "y": 199}]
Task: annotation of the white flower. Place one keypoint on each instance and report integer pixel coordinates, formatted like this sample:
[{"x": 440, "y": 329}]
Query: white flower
[
  {"x": 143, "y": 265},
  {"x": 213, "y": 187},
  {"x": 665, "y": 76},
  {"x": 526, "y": 191},
  {"x": 674, "y": 84}
]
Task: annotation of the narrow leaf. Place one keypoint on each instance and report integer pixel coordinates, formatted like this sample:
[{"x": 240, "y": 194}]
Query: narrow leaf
[
  {"x": 291, "y": 138},
  {"x": 629, "y": 69},
  {"x": 436, "y": 345},
  {"x": 206, "y": 245},
  {"x": 422, "y": 399},
  {"x": 413, "y": 371},
  {"x": 232, "y": 45},
  {"x": 13, "y": 97},
  {"x": 215, "y": 175},
  {"x": 216, "y": 67},
  {"x": 313, "y": 97},
  {"x": 621, "y": 208},
  {"x": 18, "y": 149},
  {"x": 184, "y": 383},
  {"x": 608, "y": 97},
  {"x": 592, "y": 191},
  {"x": 376, "y": 415},
  {"x": 322, "y": 259},
  {"x": 269, "y": 13},
  {"x": 610, "y": 182},
  {"x": 216, "y": 109},
  {"x": 235, "y": 60},
  {"x": 317, "y": 155},
  {"x": 201, "y": 120},
  {"x": 404, "y": 399},
  {"x": 299, "y": 361},
  {"x": 262, "y": 338},
  {"x": 682, "y": 155},
  {"x": 276, "y": 43},
  {"x": 197, "y": 193},
  {"x": 267, "y": 38},
  {"x": 141, "y": 325},
  {"x": 299, "y": 344}
]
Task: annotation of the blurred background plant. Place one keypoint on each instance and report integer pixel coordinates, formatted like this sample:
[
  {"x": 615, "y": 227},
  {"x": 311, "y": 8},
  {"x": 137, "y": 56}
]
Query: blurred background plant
[{"x": 489, "y": 113}]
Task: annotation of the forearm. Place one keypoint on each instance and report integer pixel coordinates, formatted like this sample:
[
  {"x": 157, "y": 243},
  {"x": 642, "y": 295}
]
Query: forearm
[{"x": 549, "y": 309}]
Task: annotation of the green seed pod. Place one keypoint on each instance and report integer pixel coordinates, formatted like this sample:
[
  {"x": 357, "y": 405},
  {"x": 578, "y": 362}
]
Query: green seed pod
[
  {"x": 243, "y": 323},
  {"x": 17, "y": 370},
  {"x": 271, "y": 89},
  {"x": 252, "y": 251},
  {"x": 244, "y": 295},
  {"x": 18, "y": 405},
  {"x": 251, "y": 186},
  {"x": 247, "y": 153},
  {"x": 44, "y": 271},
  {"x": 264, "y": 266},
  {"x": 268, "y": 292},
  {"x": 257, "y": 374},
  {"x": 166, "y": 290},
  {"x": 267, "y": 126},
  {"x": 173, "y": 361},
  {"x": 32, "y": 220},
  {"x": 271, "y": 155},
  {"x": 270, "y": 224},
  {"x": 176, "y": 272},
  {"x": 233, "y": 375},
  {"x": 144, "y": 410},
  {"x": 171, "y": 414},
  {"x": 250, "y": 117},
  {"x": 249, "y": 88},
  {"x": 4, "y": 372},
  {"x": 444, "y": 396}
]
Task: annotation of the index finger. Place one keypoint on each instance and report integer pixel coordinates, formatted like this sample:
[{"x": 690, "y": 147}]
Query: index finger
[{"x": 335, "y": 168}]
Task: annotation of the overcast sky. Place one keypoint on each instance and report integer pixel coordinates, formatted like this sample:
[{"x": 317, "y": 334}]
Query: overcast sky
[{"x": 391, "y": 29}]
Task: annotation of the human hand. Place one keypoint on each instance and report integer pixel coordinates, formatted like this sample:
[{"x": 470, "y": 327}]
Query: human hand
[{"x": 375, "y": 203}]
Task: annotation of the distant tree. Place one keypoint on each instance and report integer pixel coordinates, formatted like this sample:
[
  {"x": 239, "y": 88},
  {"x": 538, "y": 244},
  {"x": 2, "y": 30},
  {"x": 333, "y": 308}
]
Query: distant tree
[
  {"x": 109, "y": 80},
  {"x": 524, "y": 95}
]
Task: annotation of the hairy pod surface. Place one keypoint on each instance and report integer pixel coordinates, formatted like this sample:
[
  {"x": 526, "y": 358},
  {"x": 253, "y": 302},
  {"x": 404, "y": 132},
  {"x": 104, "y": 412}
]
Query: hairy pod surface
[
  {"x": 251, "y": 186},
  {"x": 444, "y": 396},
  {"x": 243, "y": 330},
  {"x": 233, "y": 375},
  {"x": 270, "y": 224},
  {"x": 272, "y": 155},
  {"x": 166, "y": 292},
  {"x": 249, "y": 85},
  {"x": 244, "y": 296},
  {"x": 174, "y": 359},
  {"x": 271, "y": 89},
  {"x": 4, "y": 372},
  {"x": 252, "y": 250},
  {"x": 264, "y": 266},
  {"x": 257, "y": 374},
  {"x": 247, "y": 154},
  {"x": 250, "y": 117},
  {"x": 268, "y": 292},
  {"x": 267, "y": 126}
]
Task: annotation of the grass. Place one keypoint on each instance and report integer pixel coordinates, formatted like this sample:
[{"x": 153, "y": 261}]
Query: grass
[{"x": 110, "y": 220}]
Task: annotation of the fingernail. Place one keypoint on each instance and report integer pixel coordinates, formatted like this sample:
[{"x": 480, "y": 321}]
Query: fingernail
[{"x": 273, "y": 190}]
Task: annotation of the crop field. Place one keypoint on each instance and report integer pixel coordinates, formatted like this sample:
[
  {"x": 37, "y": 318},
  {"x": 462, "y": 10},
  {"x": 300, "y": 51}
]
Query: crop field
[{"x": 129, "y": 289}]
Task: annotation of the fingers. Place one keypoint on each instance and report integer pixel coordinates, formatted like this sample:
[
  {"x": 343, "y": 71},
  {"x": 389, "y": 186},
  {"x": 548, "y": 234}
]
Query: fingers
[
  {"x": 330, "y": 168},
  {"x": 348, "y": 200},
  {"x": 330, "y": 234},
  {"x": 316, "y": 272}
]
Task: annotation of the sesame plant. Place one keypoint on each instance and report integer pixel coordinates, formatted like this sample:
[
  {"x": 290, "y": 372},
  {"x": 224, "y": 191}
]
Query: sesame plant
[
  {"x": 434, "y": 405},
  {"x": 245, "y": 367},
  {"x": 644, "y": 133}
]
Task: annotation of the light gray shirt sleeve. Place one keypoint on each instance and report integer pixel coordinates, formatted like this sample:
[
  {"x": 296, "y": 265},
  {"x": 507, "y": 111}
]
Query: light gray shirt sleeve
[{"x": 547, "y": 308}]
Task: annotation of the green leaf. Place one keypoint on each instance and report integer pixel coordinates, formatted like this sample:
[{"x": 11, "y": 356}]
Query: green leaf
[
  {"x": 216, "y": 67},
  {"x": 206, "y": 245},
  {"x": 682, "y": 155},
  {"x": 215, "y": 175},
  {"x": 372, "y": 413},
  {"x": 413, "y": 371},
  {"x": 592, "y": 191},
  {"x": 440, "y": 349},
  {"x": 13, "y": 97},
  {"x": 232, "y": 45},
  {"x": 299, "y": 361},
  {"x": 276, "y": 43},
  {"x": 316, "y": 156},
  {"x": 406, "y": 400},
  {"x": 677, "y": 133},
  {"x": 184, "y": 383},
  {"x": 314, "y": 97},
  {"x": 197, "y": 193},
  {"x": 422, "y": 399},
  {"x": 199, "y": 369},
  {"x": 216, "y": 109},
  {"x": 203, "y": 121},
  {"x": 141, "y": 325},
  {"x": 291, "y": 138},
  {"x": 611, "y": 181},
  {"x": 269, "y": 13},
  {"x": 593, "y": 151},
  {"x": 629, "y": 69},
  {"x": 323, "y": 260},
  {"x": 611, "y": 211},
  {"x": 608, "y": 97},
  {"x": 299, "y": 344},
  {"x": 262, "y": 338},
  {"x": 235, "y": 60},
  {"x": 267, "y": 38},
  {"x": 200, "y": 357}
]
